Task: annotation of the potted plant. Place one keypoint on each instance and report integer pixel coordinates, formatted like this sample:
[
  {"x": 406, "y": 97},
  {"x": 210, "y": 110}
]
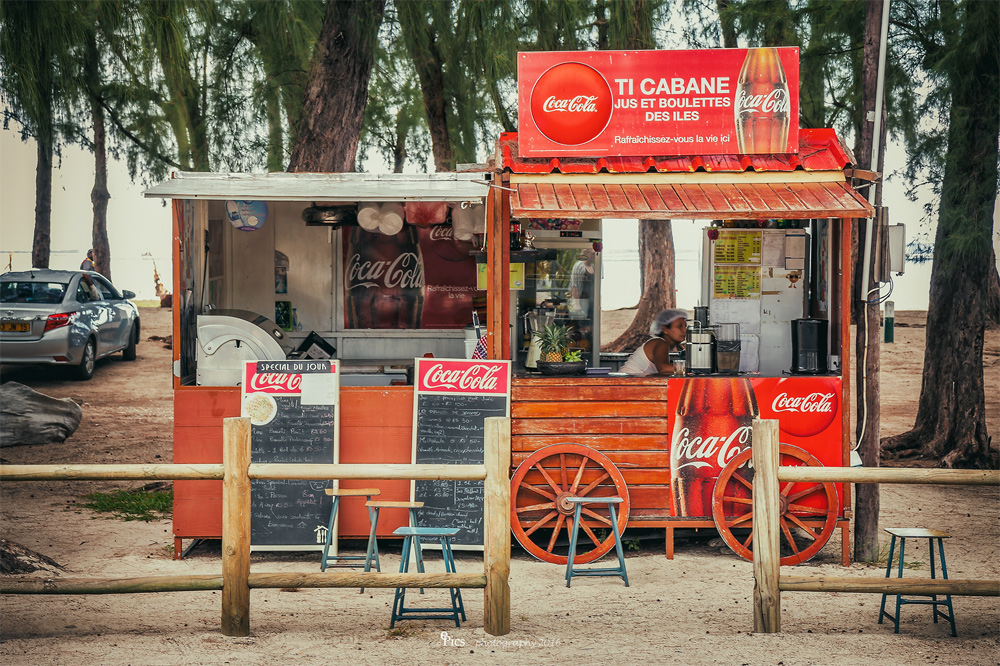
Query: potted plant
[{"x": 556, "y": 358}]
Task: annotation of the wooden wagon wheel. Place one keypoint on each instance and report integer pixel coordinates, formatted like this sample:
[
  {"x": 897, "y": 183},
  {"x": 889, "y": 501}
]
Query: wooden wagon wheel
[
  {"x": 539, "y": 510},
  {"x": 799, "y": 502}
]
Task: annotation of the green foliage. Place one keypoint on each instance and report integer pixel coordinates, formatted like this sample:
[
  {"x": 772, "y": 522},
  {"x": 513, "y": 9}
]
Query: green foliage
[
  {"x": 131, "y": 505},
  {"x": 573, "y": 356}
]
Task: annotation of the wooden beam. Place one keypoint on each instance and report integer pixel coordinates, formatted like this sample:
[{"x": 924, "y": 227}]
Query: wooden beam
[
  {"x": 111, "y": 585},
  {"x": 496, "y": 548},
  {"x": 908, "y": 586},
  {"x": 956, "y": 477},
  {"x": 108, "y": 472},
  {"x": 236, "y": 527},
  {"x": 698, "y": 178},
  {"x": 766, "y": 530},
  {"x": 370, "y": 471},
  {"x": 362, "y": 579}
]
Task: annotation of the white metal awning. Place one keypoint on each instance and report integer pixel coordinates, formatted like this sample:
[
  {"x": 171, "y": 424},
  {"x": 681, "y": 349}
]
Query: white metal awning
[{"x": 323, "y": 187}]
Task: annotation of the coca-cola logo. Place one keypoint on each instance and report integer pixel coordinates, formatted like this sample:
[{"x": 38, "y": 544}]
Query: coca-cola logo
[
  {"x": 405, "y": 271},
  {"x": 805, "y": 407},
  {"x": 571, "y": 103},
  {"x": 275, "y": 382},
  {"x": 441, "y": 232},
  {"x": 476, "y": 378},
  {"x": 712, "y": 451},
  {"x": 775, "y": 102}
]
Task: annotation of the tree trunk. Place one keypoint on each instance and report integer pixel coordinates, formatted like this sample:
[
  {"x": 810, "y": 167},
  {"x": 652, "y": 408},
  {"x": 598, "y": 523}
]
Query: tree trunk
[
  {"x": 656, "y": 253},
  {"x": 421, "y": 41},
  {"x": 727, "y": 22},
  {"x": 99, "y": 195},
  {"x": 337, "y": 91},
  {"x": 41, "y": 245},
  {"x": 867, "y": 340},
  {"x": 951, "y": 423}
]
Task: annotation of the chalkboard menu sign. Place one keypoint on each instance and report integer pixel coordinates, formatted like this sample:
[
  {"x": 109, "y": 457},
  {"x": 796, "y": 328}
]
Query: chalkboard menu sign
[
  {"x": 293, "y": 408},
  {"x": 451, "y": 401}
]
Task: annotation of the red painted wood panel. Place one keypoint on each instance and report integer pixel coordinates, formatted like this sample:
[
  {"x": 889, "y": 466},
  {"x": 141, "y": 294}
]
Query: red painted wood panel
[
  {"x": 578, "y": 393},
  {"x": 670, "y": 198},
  {"x": 572, "y": 427},
  {"x": 599, "y": 195},
  {"x": 581, "y": 193},
  {"x": 591, "y": 409},
  {"x": 717, "y": 198},
  {"x": 635, "y": 198},
  {"x": 198, "y": 445},
  {"x": 205, "y": 406},
  {"x": 599, "y": 442},
  {"x": 634, "y": 459}
]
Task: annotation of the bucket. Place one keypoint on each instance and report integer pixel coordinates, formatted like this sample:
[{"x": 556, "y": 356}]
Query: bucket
[{"x": 471, "y": 338}]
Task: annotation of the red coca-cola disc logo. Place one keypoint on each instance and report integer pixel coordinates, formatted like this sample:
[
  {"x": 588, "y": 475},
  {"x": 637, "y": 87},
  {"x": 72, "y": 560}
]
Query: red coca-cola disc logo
[
  {"x": 571, "y": 103},
  {"x": 805, "y": 407}
]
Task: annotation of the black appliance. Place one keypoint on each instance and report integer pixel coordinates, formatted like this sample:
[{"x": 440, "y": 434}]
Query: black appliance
[{"x": 809, "y": 346}]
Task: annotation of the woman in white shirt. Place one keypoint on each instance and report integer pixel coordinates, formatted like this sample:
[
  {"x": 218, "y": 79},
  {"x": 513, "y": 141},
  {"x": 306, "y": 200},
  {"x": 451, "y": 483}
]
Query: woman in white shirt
[{"x": 669, "y": 328}]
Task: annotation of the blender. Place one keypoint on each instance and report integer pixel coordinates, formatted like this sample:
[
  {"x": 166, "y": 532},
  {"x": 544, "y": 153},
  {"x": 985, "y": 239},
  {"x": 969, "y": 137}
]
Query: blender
[{"x": 700, "y": 349}]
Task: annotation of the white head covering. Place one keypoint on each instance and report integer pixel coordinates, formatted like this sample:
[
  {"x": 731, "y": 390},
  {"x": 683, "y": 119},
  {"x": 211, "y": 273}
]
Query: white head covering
[{"x": 665, "y": 318}]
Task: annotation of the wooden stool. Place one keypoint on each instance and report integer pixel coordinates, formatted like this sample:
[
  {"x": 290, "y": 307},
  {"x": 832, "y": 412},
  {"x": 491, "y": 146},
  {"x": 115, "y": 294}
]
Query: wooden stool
[
  {"x": 918, "y": 533},
  {"x": 371, "y": 555},
  {"x": 602, "y": 571},
  {"x": 399, "y": 611},
  {"x": 337, "y": 493}
]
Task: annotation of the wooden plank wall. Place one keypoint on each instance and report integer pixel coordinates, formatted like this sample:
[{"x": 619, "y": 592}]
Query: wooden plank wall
[{"x": 624, "y": 418}]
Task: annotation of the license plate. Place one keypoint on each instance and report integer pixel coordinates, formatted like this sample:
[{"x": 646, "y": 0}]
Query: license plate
[{"x": 15, "y": 327}]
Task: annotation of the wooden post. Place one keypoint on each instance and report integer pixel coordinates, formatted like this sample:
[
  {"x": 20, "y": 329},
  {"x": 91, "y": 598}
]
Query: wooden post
[
  {"x": 496, "y": 547},
  {"x": 766, "y": 547},
  {"x": 236, "y": 527}
]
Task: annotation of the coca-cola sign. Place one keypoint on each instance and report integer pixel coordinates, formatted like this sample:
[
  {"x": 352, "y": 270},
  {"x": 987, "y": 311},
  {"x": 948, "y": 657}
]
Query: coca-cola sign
[
  {"x": 571, "y": 103},
  {"x": 804, "y": 408},
  {"x": 461, "y": 376},
  {"x": 696, "y": 451},
  {"x": 640, "y": 103}
]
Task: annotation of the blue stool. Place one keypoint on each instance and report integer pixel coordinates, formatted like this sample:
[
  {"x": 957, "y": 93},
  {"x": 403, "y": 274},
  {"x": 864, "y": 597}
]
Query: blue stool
[
  {"x": 600, "y": 571},
  {"x": 337, "y": 493},
  {"x": 371, "y": 555},
  {"x": 918, "y": 533},
  {"x": 399, "y": 611}
]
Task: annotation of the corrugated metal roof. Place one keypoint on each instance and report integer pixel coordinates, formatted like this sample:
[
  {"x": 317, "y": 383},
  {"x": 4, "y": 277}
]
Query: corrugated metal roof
[
  {"x": 324, "y": 187},
  {"x": 819, "y": 150},
  {"x": 686, "y": 200}
]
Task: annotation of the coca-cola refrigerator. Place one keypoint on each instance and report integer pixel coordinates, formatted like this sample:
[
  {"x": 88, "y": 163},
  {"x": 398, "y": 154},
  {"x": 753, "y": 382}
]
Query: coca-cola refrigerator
[
  {"x": 757, "y": 278},
  {"x": 561, "y": 285}
]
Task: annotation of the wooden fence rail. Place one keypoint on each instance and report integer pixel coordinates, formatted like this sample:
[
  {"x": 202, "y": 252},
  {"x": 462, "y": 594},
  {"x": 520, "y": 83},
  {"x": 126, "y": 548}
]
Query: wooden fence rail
[
  {"x": 768, "y": 583},
  {"x": 236, "y": 581}
]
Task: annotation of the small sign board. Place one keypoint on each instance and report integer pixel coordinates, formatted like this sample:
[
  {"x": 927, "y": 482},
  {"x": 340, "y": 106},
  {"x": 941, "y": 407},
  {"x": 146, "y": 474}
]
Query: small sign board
[
  {"x": 294, "y": 411},
  {"x": 452, "y": 399}
]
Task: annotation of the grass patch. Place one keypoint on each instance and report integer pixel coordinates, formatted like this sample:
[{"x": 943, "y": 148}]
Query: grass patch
[{"x": 137, "y": 504}]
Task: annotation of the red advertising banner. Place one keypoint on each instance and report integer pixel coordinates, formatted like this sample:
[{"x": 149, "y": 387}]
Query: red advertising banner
[
  {"x": 711, "y": 421},
  {"x": 417, "y": 278},
  {"x": 640, "y": 103},
  {"x": 461, "y": 376}
]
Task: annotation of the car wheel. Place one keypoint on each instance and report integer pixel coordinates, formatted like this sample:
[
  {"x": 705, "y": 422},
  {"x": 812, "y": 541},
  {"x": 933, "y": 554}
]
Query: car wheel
[
  {"x": 133, "y": 338},
  {"x": 85, "y": 370}
]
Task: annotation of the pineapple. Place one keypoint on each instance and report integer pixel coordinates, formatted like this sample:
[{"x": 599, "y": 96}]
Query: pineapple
[{"x": 553, "y": 340}]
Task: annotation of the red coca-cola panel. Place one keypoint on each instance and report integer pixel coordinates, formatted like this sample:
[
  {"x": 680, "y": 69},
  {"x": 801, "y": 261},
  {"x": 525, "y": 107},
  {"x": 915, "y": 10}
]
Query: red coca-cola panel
[
  {"x": 639, "y": 103},
  {"x": 461, "y": 376},
  {"x": 711, "y": 421},
  {"x": 417, "y": 278}
]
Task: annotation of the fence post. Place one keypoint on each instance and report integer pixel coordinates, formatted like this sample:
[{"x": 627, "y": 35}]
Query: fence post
[
  {"x": 236, "y": 527},
  {"x": 496, "y": 548},
  {"x": 766, "y": 545}
]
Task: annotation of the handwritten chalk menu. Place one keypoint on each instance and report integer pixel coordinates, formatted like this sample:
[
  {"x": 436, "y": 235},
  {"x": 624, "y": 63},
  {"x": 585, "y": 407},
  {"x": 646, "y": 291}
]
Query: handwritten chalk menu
[
  {"x": 294, "y": 411},
  {"x": 452, "y": 399}
]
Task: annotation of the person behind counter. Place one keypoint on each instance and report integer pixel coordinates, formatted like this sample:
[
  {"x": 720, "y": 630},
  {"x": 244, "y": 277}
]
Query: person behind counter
[{"x": 668, "y": 329}]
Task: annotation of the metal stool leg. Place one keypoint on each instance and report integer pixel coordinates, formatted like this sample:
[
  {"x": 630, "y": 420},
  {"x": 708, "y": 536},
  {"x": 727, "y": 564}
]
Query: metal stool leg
[
  {"x": 618, "y": 543},
  {"x": 899, "y": 597},
  {"x": 930, "y": 546},
  {"x": 572, "y": 544},
  {"x": 888, "y": 570},
  {"x": 329, "y": 533},
  {"x": 944, "y": 575},
  {"x": 371, "y": 553},
  {"x": 449, "y": 567},
  {"x": 420, "y": 555},
  {"x": 400, "y": 598}
]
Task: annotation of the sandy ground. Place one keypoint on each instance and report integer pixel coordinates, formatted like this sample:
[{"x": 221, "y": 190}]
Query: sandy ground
[{"x": 695, "y": 609}]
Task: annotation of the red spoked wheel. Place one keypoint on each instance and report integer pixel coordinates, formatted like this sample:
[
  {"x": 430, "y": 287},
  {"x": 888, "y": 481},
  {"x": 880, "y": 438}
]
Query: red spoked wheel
[
  {"x": 807, "y": 513},
  {"x": 539, "y": 511}
]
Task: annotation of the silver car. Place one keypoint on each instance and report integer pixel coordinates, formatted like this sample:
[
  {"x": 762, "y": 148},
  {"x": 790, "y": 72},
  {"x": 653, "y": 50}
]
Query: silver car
[{"x": 67, "y": 318}]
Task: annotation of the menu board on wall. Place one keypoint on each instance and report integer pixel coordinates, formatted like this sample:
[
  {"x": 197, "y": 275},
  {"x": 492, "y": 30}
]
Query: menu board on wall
[
  {"x": 736, "y": 282},
  {"x": 452, "y": 399},
  {"x": 738, "y": 247},
  {"x": 293, "y": 408}
]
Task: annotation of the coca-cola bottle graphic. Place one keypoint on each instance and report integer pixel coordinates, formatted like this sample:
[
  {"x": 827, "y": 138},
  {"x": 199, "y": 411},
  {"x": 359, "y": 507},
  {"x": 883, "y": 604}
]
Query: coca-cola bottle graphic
[
  {"x": 714, "y": 422},
  {"x": 762, "y": 105},
  {"x": 384, "y": 279}
]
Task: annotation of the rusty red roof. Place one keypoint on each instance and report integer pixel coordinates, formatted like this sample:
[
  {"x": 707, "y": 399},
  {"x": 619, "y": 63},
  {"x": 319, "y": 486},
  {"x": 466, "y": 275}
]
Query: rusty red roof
[{"x": 819, "y": 150}]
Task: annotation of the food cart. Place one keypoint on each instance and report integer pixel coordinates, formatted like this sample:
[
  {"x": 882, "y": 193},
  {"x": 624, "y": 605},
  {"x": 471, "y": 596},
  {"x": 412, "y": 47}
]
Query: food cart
[{"x": 776, "y": 261}]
